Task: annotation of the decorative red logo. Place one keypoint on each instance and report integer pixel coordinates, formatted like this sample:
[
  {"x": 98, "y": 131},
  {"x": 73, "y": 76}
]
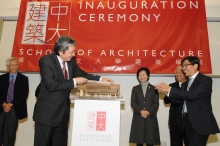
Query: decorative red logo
[{"x": 96, "y": 121}]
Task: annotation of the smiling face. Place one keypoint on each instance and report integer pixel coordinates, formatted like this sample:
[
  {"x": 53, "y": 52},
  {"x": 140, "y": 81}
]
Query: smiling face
[
  {"x": 189, "y": 69},
  {"x": 13, "y": 66},
  {"x": 142, "y": 76},
  {"x": 68, "y": 54},
  {"x": 180, "y": 77}
]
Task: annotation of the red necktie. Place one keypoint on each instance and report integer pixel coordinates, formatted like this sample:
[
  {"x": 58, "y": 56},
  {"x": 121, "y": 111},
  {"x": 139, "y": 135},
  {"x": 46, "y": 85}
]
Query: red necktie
[
  {"x": 10, "y": 90},
  {"x": 64, "y": 71}
]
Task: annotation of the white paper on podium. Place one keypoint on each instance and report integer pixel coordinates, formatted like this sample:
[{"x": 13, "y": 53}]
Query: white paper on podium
[{"x": 96, "y": 123}]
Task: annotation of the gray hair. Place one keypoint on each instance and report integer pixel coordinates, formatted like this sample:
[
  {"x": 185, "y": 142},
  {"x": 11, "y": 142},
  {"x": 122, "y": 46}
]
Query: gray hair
[
  {"x": 63, "y": 43},
  {"x": 10, "y": 59}
]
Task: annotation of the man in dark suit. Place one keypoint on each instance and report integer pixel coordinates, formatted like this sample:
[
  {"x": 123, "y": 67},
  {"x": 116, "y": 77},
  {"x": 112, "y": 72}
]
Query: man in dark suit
[
  {"x": 14, "y": 90},
  {"x": 37, "y": 91},
  {"x": 60, "y": 74},
  {"x": 198, "y": 119},
  {"x": 176, "y": 139}
]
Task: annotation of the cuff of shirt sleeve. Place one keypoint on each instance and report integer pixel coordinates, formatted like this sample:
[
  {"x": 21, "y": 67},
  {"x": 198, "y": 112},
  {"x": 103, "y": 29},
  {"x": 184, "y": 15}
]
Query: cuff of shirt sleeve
[
  {"x": 74, "y": 81},
  {"x": 168, "y": 92}
]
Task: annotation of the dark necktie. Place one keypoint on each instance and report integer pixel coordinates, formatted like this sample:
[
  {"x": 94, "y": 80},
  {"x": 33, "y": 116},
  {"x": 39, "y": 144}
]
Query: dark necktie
[
  {"x": 64, "y": 71},
  {"x": 10, "y": 90}
]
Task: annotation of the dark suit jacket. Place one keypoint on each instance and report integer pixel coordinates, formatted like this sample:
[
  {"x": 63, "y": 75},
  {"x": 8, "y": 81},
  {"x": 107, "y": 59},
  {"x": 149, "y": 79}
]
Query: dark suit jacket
[
  {"x": 37, "y": 91},
  {"x": 55, "y": 90},
  {"x": 176, "y": 106},
  {"x": 198, "y": 102},
  {"x": 21, "y": 90}
]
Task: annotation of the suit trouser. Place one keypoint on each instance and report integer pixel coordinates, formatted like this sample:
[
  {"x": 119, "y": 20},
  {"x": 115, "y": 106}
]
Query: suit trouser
[
  {"x": 175, "y": 138},
  {"x": 192, "y": 137},
  {"x": 52, "y": 136},
  {"x": 8, "y": 127}
]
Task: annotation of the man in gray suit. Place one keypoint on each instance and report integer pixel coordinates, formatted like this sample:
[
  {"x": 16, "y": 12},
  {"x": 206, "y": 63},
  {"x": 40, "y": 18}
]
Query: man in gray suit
[
  {"x": 198, "y": 120},
  {"x": 60, "y": 74}
]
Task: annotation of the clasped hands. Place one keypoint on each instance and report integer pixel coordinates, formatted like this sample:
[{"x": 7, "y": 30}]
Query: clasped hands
[
  {"x": 144, "y": 113},
  {"x": 162, "y": 87},
  {"x": 81, "y": 80},
  {"x": 7, "y": 107}
]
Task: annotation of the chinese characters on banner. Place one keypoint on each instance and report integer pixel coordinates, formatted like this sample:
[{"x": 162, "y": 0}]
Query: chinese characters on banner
[{"x": 114, "y": 36}]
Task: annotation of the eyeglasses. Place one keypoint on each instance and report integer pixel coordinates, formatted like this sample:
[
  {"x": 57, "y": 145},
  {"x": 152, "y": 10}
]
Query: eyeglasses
[
  {"x": 185, "y": 65},
  {"x": 73, "y": 52}
]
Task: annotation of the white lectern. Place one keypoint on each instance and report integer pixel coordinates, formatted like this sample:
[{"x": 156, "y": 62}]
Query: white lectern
[{"x": 96, "y": 122}]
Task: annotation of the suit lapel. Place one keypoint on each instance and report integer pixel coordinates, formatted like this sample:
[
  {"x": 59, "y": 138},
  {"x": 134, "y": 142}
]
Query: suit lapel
[
  {"x": 176, "y": 85},
  {"x": 17, "y": 81},
  {"x": 70, "y": 69},
  {"x": 57, "y": 65},
  {"x": 184, "y": 85},
  {"x": 195, "y": 81},
  {"x": 148, "y": 89},
  {"x": 140, "y": 90},
  {"x": 6, "y": 80}
]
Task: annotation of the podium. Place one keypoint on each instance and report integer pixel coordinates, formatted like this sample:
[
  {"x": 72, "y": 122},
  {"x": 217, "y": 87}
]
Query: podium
[{"x": 96, "y": 122}]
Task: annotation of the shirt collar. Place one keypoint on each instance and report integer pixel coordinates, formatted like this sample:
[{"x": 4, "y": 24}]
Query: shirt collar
[
  {"x": 14, "y": 75},
  {"x": 180, "y": 84},
  {"x": 60, "y": 61},
  {"x": 194, "y": 76}
]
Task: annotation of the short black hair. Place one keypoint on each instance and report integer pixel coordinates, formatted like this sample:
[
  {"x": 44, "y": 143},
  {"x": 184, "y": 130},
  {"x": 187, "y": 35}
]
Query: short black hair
[
  {"x": 193, "y": 60},
  {"x": 143, "y": 69},
  {"x": 63, "y": 43}
]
